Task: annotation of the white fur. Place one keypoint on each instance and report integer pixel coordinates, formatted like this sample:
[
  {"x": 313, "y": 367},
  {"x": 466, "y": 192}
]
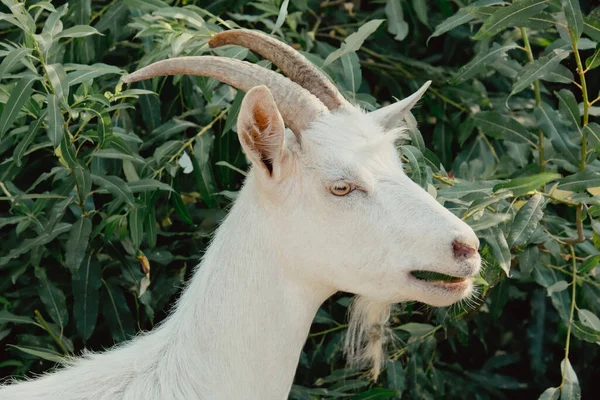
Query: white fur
[{"x": 285, "y": 247}]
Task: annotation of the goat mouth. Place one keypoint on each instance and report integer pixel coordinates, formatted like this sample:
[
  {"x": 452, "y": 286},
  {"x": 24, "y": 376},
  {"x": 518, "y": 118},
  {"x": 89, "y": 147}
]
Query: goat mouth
[{"x": 436, "y": 277}]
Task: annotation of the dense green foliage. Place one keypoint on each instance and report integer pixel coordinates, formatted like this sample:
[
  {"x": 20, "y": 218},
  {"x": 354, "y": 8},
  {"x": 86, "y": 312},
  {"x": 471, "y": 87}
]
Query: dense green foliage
[{"x": 110, "y": 193}]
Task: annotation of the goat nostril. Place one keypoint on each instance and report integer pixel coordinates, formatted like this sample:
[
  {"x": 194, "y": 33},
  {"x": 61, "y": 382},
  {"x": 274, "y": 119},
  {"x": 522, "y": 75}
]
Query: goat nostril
[{"x": 462, "y": 250}]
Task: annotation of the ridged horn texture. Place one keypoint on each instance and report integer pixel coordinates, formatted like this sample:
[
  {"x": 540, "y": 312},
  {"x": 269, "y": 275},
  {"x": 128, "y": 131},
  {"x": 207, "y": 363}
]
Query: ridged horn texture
[
  {"x": 293, "y": 64},
  {"x": 297, "y": 106}
]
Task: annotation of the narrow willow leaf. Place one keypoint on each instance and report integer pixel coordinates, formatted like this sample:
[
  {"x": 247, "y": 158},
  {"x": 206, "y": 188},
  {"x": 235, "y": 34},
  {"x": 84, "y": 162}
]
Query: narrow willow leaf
[
  {"x": 29, "y": 137},
  {"x": 574, "y": 17},
  {"x": 86, "y": 292},
  {"x": 40, "y": 352},
  {"x": 584, "y": 332},
  {"x": 136, "y": 225},
  {"x": 538, "y": 69},
  {"x": 29, "y": 244},
  {"x": 83, "y": 180},
  {"x": 589, "y": 319},
  {"x": 116, "y": 186},
  {"x": 557, "y": 287},
  {"x": 494, "y": 237},
  {"x": 589, "y": 264},
  {"x": 570, "y": 389},
  {"x": 481, "y": 60},
  {"x": 234, "y": 110},
  {"x": 67, "y": 152},
  {"x": 526, "y": 221},
  {"x": 354, "y": 41},
  {"x": 144, "y": 185},
  {"x": 55, "y": 120},
  {"x": 569, "y": 108},
  {"x": 283, "y": 12},
  {"x": 53, "y": 298},
  {"x": 421, "y": 9},
  {"x": 351, "y": 71},
  {"x": 591, "y": 24},
  {"x": 416, "y": 163},
  {"x": 550, "y": 123},
  {"x": 466, "y": 188},
  {"x": 58, "y": 80},
  {"x": 77, "y": 243},
  {"x": 117, "y": 313},
  {"x": 181, "y": 209},
  {"x": 104, "y": 123},
  {"x": 150, "y": 223},
  {"x": 509, "y": 16},
  {"x": 594, "y": 60},
  {"x": 7, "y": 317},
  {"x": 186, "y": 14},
  {"x": 416, "y": 329},
  {"x": 19, "y": 95},
  {"x": 397, "y": 26},
  {"x": 520, "y": 186},
  {"x": 461, "y": 17},
  {"x": 580, "y": 181},
  {"x": 203, "y": 171},
  {"x": 12, "y": 59},
  {"x": 498, "y": 125},
  {"x": 487, "y": 221},
  {"x": 78, "y": 31},
  {"x": 550, "y": 394},
  {"x": 528, "y": 259},
  {"x": 82, "y": 73}
]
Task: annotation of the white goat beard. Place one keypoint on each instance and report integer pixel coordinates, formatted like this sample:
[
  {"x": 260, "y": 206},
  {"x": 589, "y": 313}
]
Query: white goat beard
[{"x": 368, "y": 334}]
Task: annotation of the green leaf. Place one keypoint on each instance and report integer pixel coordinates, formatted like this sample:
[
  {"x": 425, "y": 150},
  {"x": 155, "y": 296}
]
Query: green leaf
[
  {"x": 83, "y": 179},
  {"x": 526, "y": 221},
  {"x": 136, "y": 225},
  {"x": 58, "y": 80},
  {"x": 19, "y": 95},
  {"x": 395, "y": 375},
  {"x": 509, "y": 16},
  {"x": 495, "y": 124},
  {"x": 570, "y": 389},
  {"x": 40, "y": 352},
  {"x": 144, "y": 185},
  {"x": 591, "y": 24},
  {"x": 416, "y": 329},
  {"x": 538, "y": 69},
  {"x": 67, "y": 152},
  {"x": 40, "y": 240},
  {"x": 589, "y": 319},
  {"x": 181, "y": 209},
  {"x": 77, "y": 243},
  {"x": 550, "y": 123},
  {"x": 589, "y": 264},
  {"x": 557, "y": 287},
  {"x": 84, "y": 73},
  {"x": 574, "y": 16},
  {"x": 421, "y": 9},
  {"x": 53, "y": 298},
  {"x": 528, "y": 259},
  {"x": 104, "y": 123},
  {"x": 480, "y": 61},
  {"x": 591, "y": 62},
  {"x": 116, "y": 312},
  {"x": 29, "y": 137},
  {"x": 55, "y": 120},
  {"x": 78, "y": 31},
  {"x": 584, "y": 332},
  {"x": 283, "y": 12},
  {"x": 461, "y": 17},
  {"x": 376, "y": 394},
  {"x": 86, "y": 291},
  {"x": 116, "y": 186},
  {"x": 496, "y": 240},
  {"x": 7, "y": 317},
  {"x": 12, "y": 59},
  {"x": 185, "y": 14},
  {"x": 397, "y": 26},
  {"x": 521, "y": 186},
  {"x": 351, "y": 71},
  {"x": 550, "y": 394},
  {"x": 580, "y": 181},
  {"x": 417, "y": 164},
  {"x": 569, "y": 108},
  {"x": 202, "y": 170},
  {"x": 354, "y": 41},
  {"x": 234, "y": 111}
]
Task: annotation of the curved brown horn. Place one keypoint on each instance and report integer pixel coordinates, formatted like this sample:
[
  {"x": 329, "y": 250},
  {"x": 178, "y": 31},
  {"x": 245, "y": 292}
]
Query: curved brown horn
[
  {"x": 293, "y": 64},
  {"x": 297, "y": 106}
]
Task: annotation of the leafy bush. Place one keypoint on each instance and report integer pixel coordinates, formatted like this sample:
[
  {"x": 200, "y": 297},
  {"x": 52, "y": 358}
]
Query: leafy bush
[{"x": 110, "y": 193}]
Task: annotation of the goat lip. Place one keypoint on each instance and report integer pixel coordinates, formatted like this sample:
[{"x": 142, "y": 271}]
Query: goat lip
[{"x": 452, "y": 283}]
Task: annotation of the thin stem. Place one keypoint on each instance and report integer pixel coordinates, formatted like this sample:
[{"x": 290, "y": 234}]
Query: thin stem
[
  {"x": 579, "y": 222},
  {"x": 584, "y": 93},
  {"x": 573, "y": 291}
]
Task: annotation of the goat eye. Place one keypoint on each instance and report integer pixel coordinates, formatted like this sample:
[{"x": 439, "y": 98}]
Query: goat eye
[{"x": 341, "y": 188}]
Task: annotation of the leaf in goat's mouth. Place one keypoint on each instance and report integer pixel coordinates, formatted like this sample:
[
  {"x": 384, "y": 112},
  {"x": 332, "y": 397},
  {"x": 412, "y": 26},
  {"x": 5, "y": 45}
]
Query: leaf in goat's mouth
[{"x": 435, "y": 276}]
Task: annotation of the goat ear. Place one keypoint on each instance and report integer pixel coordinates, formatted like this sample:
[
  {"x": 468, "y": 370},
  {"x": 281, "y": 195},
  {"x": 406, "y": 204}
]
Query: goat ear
[
  {"x": 261, "y": 130},
  {"x": 391, "y": 116}
]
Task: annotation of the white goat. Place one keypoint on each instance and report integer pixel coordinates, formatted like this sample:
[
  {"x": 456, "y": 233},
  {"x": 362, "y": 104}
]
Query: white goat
[{"x": 325, "y": 208}]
